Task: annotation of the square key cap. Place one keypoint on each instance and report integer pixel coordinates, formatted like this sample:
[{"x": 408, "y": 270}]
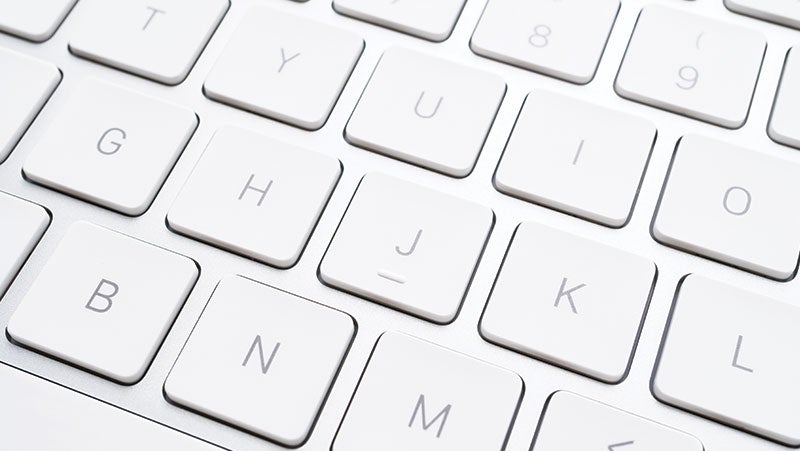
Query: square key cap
[
  {"x": 426, "y": 111},
  {"x": 691, "y": 65},
  {"x": 408, "y": 247},
  {"x": 415, "y": 395},
  {"x": 261, "y": 359},
  {"x": 284, "y": 67},
  {"x": 104, "y": 302},
  {"x": 156, "y": 39},
  {"x": 255, "y": 196},
  {"x": 111, "y": 146}
]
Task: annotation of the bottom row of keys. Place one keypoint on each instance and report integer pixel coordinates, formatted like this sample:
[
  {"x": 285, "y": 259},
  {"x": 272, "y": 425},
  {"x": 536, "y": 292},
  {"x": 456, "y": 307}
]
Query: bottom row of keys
[{"x": 89, "y": 308}]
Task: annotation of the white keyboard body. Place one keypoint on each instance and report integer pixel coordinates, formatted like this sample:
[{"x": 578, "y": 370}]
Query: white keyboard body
[{"x": 146, "y": 397}]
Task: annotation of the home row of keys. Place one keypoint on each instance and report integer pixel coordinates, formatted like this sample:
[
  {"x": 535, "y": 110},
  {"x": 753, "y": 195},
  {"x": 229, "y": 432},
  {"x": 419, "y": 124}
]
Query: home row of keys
[
  {"x": 114, "y": 159},
  {"x": 678, "y": 61},
  {"x": 248, "y": 336}
]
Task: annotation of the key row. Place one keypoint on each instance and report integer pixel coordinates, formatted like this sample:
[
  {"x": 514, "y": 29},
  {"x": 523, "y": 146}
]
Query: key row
[
  {"x": 563, "y": 153},
  {"x": 103, "y": 303},
  {"x": 677, "y": 61}
]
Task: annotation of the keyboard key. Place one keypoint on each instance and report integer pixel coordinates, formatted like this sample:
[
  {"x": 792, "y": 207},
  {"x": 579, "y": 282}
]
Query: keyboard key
[
  {"x": 155, "y": 39},
  {"x": 560, "y": 39},
  {"x": 729, "y": 355},
  {"x": 255, "y": 196},
  {"x": 25, "y": 85},
  {"x": 104, "y": 302},
  {"x": 408, "y": 247},
  {"x": 575, "y": 157},
  {"x": 426, "y": 111},
  {"x": 417, "y": 395},
  {"x": 111, "y": 146},
  {"x": 569, "y": 301},
  {"x": 22, "y": 226},
  {"x": 784, "y": 12},
  {"x": 429, "y": 20},
  {"x": 691, "y": 65},
  {"x": 732, "y": 205},
  {"x": 251, "y": 362},
  {"x": 46, "y": 416},
  {"x": 783, "y": 125},
  {"x": 572, "y": 422},
  {"x": 284, "y": 67},
  {"x": 33, "y": 20}
]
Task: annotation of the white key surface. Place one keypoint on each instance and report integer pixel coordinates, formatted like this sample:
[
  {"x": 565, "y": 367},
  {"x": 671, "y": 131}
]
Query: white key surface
[
  {"x": 429, "y": 20},
  {"x": 569, "y": 301},
  {"x": 415, "y": 395},
  {"x": 33, "y": 20},
  {"x": 692, "y": 65},
  {"x": 582, "y": 159},
  {"x": 156, "y": 39},
  {"x": 407, "y": 246},
  {"x": 728, "y": 354},
  {"x": 255, "y": 196},
  {"x": 25, "y": 85},
  {"x": 784, "y": 12},
  {"x": 562, "y": 39},
  {"x": 22, "y": 225},
  {"x": 103, "y": 302},
  {"x": 252, "y": 362},
  {"x": 111, "y": 146},
  {"x": 572, "y": 422},
  {"x": 48, "y": 416},
  {"x": 733, "y": 205},
  {"x": 285, "y": 67},
  {"x": 427, "y": 111},
  {"x": 783, "y": 125}
]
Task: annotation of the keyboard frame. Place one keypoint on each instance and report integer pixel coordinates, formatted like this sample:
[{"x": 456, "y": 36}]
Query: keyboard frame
[{"x": 541, "y": 379}]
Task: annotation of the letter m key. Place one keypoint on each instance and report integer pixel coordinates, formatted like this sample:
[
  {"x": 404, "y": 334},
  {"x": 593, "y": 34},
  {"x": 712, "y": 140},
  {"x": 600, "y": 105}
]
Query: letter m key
[{"x": 420, "y": 409}]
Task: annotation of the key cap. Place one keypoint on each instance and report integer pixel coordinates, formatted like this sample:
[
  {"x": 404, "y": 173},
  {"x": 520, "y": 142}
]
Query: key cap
[
  {"x": 560, "y": 39},
  {"x": 569, "y": 301},
  {"x": 783, "y": 125},
  {"x": 48, "y": 416},
  {"x": 417, "y": 395},
  {"x": 732, "y": 205},
  {"x": 426, "y": 111},
  {"x": 111, "y": 146},
  {"x": 255, "y": 196},
  {"x": 575, "y": 157},
  {"x": 784, "y": 12},
  {"x": 155, "y": 39},
  {"x": 35, "y": 21},
  {"x": 572, "y": 422},
  {"x": 284, "y": 67},
  {"x": 691, "y": 65},
  {"x": 104, "y": 302},
  {"x": 729, "y": 355},
  {"x": 25, "y": 85},
  {"x": 251, "y": 362},
  {"x": 407, "y": 247},
  {"x": 22, "y": 226},
  {"x": 428, "y": 20}
]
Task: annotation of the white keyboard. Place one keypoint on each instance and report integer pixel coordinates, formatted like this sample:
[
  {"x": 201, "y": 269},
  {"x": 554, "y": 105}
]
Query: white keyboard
[{"x": 360, "y": 225}]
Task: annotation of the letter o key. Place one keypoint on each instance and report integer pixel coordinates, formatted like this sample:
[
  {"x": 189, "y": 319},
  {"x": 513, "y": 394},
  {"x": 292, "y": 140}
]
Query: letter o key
[{"x": 737, "y": 201}]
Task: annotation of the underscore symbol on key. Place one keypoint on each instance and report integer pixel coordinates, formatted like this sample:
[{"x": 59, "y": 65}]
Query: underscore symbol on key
[
  {"x": 392, "y": 276},
  {"x": 736, "y": 355},
  {"x": 619, "y": 445},
  {"x": 413, "y": 245}
]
